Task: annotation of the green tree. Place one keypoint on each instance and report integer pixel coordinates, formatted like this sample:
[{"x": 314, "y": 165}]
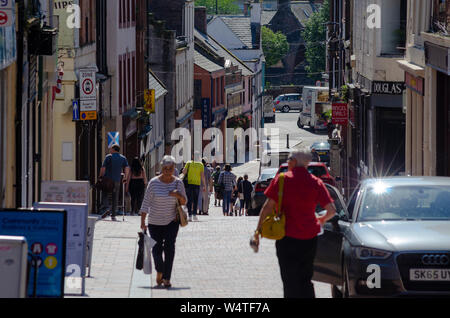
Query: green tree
[
  {"x": 223, "y": 6},
  {"x": 315, "y": 35},
  {"x": 275, "y": 45}
]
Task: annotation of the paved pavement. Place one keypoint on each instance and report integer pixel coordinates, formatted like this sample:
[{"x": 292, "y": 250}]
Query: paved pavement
[{"x": 213, "y": 260}]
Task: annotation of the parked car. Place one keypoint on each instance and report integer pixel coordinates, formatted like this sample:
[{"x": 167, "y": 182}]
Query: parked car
[
  {"x": 323, "y": 150},
  {"x": 260, "y": 186},
  {"x": 393, "y": 239},
  {"x": 288, "y": 102},
  {"x": 319, "y": 169}
]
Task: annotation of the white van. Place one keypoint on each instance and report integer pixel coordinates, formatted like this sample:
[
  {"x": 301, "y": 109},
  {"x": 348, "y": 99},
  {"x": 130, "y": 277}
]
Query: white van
[{"x": 315, "y": 103}]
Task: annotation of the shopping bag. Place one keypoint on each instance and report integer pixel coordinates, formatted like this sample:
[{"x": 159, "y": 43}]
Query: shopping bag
[
  {"x": 140, "y": 256},
  {"x": 148, "y": 245}
]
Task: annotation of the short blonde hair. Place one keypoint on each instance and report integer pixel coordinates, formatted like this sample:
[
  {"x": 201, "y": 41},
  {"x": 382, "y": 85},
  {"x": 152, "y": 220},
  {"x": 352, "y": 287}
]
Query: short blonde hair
[{"x": 302, "y": 156}]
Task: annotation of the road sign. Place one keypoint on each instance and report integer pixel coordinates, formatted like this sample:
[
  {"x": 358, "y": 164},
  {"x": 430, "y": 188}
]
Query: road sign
[
  {"x": 88, "y": 89},
  {"x": 113, "y": 139},
  {"x": 149, "y": 97},
  {"x": 75, "y": 111},
  {"x": 88, "y": 105},
  {"x": 88, "y": 115},
  {"x": 6, "y": 13}
]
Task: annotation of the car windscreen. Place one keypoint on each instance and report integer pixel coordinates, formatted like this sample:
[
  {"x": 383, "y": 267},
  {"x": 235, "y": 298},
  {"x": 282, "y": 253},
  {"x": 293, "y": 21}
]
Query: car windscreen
[
  {"x": 267, "y": 174},
  {"x": 321, "y": 146},
  {"x": 318, "y": 171},
  {"x": 384, "y": 202}
]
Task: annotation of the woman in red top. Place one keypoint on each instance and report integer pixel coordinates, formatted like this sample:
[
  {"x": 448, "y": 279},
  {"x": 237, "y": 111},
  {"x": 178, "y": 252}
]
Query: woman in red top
[{"x": 296, "y": 252}]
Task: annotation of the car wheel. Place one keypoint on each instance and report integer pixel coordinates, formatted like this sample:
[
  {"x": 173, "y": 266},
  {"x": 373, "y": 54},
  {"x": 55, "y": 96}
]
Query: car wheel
[
  {"x": 335, "y": 292},
  {"x": 345, "y": 293},
  {"x": 286, "y": 109},
  {"x": 299, "y": 124}
]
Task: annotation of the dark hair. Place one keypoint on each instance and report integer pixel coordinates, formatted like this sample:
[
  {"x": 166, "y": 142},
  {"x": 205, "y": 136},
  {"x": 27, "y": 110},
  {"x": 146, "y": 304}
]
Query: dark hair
[
  {"x": 218, "y": 168},
  {"x": 136, "y": 167},
  {"x": 116, "y": 148},
  {"x": 228, "y": 167}
]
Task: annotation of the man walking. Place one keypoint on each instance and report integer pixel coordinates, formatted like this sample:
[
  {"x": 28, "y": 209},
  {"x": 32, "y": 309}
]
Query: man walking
[
  {"x": 247, "y": 189},
  {"x": 229, "y": 181},
  {"x": 194, "y": 170},
  {"x": 112, "y": 168}
]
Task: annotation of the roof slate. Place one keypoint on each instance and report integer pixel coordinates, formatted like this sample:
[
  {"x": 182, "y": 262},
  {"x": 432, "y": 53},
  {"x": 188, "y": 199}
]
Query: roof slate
[
  {"x": 155, "y": 84},
  {"x": 206, "y": 63}
]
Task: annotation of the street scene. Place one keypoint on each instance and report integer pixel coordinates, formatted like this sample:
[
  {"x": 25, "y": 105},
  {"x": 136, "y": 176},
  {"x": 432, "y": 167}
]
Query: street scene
[{"x": 224, "y": 149}]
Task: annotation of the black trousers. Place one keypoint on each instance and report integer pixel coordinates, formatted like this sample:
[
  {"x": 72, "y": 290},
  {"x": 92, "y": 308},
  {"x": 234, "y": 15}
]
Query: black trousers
[
  {"x": 192, "y": 193},
  {"x": 296, "y": 260},
  {"x": 165, "y": 237}
]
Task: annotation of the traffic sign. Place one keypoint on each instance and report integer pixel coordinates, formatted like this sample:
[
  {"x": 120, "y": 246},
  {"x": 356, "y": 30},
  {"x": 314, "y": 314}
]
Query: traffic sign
[
  {"x": 75, "y": 111},
  {"x": 92, "y": 115},
  {"x": 6, "y": 13},
  {"x": 113, "y": 139},
  {"x": 88, "y": 105},
  {"x": 87, "y": 87}
]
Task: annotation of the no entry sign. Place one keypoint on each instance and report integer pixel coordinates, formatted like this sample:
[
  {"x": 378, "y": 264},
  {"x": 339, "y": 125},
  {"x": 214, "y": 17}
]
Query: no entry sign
[{"x": 87, "y": 84}]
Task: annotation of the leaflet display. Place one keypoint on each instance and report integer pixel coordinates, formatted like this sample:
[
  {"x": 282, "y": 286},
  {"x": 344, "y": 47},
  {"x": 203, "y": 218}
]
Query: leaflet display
[
  {"x": 76, "y": 232},
  {"x": 45, "y": 233}
]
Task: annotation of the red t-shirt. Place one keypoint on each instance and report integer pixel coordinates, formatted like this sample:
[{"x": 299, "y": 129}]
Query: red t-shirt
[{"x": 302, "y": 193}]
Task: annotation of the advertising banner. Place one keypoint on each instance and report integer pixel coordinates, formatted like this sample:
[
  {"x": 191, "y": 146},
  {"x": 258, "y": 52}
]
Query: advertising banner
[
  {"x": 76, "y": 235},
  {"x": 45, "y": 233}
]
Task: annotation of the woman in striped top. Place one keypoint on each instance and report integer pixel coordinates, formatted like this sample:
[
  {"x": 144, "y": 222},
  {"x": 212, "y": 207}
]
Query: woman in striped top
[{"x": 160, "y": 205}]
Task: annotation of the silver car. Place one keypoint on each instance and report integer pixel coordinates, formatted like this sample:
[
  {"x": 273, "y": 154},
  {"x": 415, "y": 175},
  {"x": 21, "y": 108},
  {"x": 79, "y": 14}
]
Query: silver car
[
  {"x": 393, "y": 239},
  {"x": 288, "y": 102}
]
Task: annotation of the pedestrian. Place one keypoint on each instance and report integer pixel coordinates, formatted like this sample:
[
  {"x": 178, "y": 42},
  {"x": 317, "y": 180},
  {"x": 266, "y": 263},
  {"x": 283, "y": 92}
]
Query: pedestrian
[
  {"x": 236, "y": 201},
  {"x": 296, "y": 251},
  {"x": 228, "y": 179},
  {"x": 204, "y": 195},
  {"x": 246, "y": 190},
  {"x": 160, "y": 204},
  {"x": 194, "y": 171},
  {"x": 112, "y": 167},
  {"x": 315, "y": 155},
  {"x": 217, "y": 191},
  {"x": 136, "y": 183}
]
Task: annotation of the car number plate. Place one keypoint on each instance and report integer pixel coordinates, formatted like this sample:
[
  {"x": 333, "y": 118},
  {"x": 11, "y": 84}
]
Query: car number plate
[
  {"x": 416, "y": 274},
  {"x": 322, "y": 153}
]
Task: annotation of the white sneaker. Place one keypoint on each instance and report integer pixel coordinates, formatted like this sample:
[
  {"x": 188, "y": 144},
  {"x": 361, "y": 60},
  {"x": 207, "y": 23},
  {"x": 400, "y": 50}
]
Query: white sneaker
[{"x": 195, "y": 218}]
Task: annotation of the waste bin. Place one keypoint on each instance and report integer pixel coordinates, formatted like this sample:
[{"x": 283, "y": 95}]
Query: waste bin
[{"x": 13, "y": 266}]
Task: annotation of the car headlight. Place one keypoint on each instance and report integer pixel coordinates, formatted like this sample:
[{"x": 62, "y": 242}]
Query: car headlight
[{"x": 371, "y": 253}]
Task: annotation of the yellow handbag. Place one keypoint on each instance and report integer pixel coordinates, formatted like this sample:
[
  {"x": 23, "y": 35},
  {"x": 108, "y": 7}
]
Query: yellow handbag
[{"x": 273, "y": 227}]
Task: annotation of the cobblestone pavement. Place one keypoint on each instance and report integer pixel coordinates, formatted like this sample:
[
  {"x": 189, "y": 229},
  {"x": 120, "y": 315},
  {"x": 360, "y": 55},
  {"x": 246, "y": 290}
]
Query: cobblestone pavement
[{"x": 213, "y": 259}]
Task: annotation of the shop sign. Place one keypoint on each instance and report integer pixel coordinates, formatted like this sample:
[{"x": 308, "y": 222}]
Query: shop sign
[
  {"x": 416, "y": 84},
  {"x": 340, "y": 114},
  {"x": 206, "y": 113},
  {"x": 390, "y": 88}
]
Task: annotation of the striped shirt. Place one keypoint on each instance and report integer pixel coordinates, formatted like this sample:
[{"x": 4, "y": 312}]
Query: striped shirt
[
  {"x": 160, "y": 207},
  {"x": 228, "y": 179}
]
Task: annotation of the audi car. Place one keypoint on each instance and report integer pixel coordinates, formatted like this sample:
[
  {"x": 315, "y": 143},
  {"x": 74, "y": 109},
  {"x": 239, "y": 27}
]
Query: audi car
[{"x": 393, "y": 239}]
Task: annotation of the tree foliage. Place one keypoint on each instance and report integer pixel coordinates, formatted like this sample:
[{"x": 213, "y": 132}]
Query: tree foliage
[
  {"x": 275, "y": 46},
  {"x": 315, "y": 36},
  {"x": 223, "y": 6}
]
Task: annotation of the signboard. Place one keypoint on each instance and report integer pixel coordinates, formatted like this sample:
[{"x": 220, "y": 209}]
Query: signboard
[
  {"x": 76, "y": 234},
  {"x": 46, "y": 237},
  {"x": 389, "y": 88},
  {"x": 340, "y": 114},
  {"x": 6, "y": 13},
  {"x": 88, "y": 89},
  {"x": 416, "y": 84},
  {"x": 65, "y": 192},
  {"x": 88, "y": 105},
  {"x": 113, "y": 138},
  {"x": 206, "y": 113},
  {"x": 88, "y": 115},
  {"x": 149, "y": 97},
  {"x": 75, "y": 110}
]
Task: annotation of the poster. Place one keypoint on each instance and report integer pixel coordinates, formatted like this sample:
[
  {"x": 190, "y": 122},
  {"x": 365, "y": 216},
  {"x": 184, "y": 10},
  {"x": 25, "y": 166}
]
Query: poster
[
  {"x": 46, "y": 237},
  {"x": 76, "y": 233},
  {"x": 65, "y": 192}
]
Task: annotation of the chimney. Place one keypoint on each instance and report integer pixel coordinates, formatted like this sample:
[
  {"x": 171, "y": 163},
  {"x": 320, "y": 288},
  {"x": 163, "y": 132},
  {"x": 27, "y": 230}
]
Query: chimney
[
  {"x": 255, "y": 19},
  {"x": 200, "y": 20}
]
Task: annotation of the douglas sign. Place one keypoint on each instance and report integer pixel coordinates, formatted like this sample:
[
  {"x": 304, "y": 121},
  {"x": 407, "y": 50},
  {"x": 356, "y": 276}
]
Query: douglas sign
[{"x": 391, "y": 88}]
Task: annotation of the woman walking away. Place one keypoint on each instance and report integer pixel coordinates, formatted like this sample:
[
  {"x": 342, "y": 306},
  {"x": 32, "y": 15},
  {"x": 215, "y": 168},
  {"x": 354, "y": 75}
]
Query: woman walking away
[
  {"x": 297, "y": 250},
  {"x": 217, "y": 190},
  {"x": 137, "y": 180},
  {"x": 160, "y": 202},
  {"x": 246, "y": 189},
  {"x": 229, "y": 181}
]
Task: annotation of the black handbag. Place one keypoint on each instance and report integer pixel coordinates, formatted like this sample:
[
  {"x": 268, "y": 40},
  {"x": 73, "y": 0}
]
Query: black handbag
[{"x": 140, "y": 256}]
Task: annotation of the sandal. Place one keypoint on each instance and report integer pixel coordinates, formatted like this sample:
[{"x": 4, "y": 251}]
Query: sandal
[
  {"x": 167, "y": 283},
  {"x": 159, "y": 279}
]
